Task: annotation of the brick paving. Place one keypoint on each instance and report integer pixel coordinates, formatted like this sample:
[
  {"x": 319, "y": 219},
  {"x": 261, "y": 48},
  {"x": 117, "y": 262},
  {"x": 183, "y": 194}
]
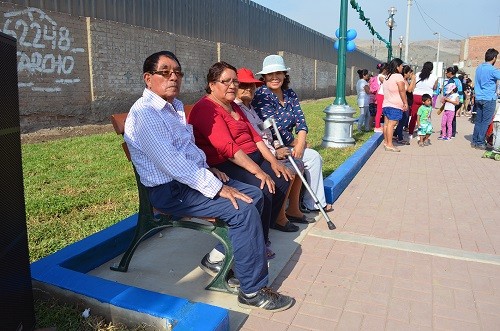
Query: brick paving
[{"x": 383, "y": 268}]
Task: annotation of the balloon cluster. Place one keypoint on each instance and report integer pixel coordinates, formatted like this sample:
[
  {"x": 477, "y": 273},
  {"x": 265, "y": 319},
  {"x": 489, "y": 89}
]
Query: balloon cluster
[{"x": 351, "y": 35}]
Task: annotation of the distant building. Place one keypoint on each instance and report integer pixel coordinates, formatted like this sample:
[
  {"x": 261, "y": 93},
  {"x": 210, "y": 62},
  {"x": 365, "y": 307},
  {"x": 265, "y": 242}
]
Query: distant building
[{"x": 472, "y": 52}]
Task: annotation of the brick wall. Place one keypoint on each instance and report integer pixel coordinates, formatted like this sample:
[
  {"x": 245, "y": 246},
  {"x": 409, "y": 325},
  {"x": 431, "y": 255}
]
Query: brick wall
[
  {"x": 326, "y": 79},
  {"x": 196, "y": 56},
  {"x": 53, "y": 70},
  {"x": 77, "y": 70},
  {"x": 473, "y": 49},
  {"x": 302, "y": 71},
  {"x": 242, "y": 57}
]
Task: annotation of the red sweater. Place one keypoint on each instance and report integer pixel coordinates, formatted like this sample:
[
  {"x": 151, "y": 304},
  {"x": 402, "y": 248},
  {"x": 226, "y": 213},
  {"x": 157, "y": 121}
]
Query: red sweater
[{"x": 218, "y": 134}]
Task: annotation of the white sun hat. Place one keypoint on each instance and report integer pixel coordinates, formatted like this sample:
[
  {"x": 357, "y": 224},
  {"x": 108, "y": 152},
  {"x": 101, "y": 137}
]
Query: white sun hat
[{"x": 272, "y": 63}]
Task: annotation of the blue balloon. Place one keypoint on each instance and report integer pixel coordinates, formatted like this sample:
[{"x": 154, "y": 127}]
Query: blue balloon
[
  {"x": 336, "y": 44},
  {"x": 351, "y": 34},
  {"x": 337, "y": 33},
  {"x": 351, "y": 46}
]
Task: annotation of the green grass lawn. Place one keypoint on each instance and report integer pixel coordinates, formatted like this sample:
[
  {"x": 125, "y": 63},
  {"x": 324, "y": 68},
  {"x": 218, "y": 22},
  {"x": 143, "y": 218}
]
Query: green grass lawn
[{"x": 75, "y": 187}]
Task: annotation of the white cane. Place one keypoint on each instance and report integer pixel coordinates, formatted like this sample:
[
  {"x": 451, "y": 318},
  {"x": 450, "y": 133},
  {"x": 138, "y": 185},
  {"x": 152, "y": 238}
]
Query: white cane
[{"x": 270, "y": 122}]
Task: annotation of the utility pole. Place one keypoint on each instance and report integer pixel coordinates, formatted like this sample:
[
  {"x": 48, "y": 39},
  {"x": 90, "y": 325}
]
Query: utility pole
[
  {"x": 400, "y": 46},
  {"x": 439, "y": 42},
  {"x": 407, "y": 30}
]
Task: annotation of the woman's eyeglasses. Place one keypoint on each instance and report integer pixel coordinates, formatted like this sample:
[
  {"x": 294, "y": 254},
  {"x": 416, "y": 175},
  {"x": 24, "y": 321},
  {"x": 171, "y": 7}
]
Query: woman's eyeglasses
[{"x": 230, "y": 81}]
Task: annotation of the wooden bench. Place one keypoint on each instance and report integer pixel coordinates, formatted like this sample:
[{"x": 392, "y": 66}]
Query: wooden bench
[{"x": 150, "y": 221}]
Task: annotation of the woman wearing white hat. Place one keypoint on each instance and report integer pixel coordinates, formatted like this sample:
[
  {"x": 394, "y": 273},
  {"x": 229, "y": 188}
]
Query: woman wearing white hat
[{"x": 277, "y": 100}]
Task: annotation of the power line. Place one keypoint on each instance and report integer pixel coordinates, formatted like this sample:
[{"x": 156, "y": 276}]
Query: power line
[{"x": 430, "y": 17}]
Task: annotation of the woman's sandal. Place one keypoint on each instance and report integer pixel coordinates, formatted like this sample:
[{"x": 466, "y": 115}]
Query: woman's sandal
[
  {"x": 391, "y": 149},
  {"x": 327, "y": 209}
]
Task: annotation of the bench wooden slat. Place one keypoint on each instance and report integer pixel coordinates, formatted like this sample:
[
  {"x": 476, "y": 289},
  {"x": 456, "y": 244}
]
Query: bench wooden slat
[
  {"x": 118, "y": 121},
  {"x": 187, "y": 109}
]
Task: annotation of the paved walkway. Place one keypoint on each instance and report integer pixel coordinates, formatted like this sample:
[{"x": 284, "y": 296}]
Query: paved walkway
[{"x": 417, "y": 247}]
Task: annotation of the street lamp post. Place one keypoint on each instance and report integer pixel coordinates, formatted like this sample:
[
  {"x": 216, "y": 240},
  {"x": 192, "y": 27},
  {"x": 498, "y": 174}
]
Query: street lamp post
[
  {"x": 339, "y": 116},
  {"x": 391, "y": 24},
  {"x": 400, "y": 47}
]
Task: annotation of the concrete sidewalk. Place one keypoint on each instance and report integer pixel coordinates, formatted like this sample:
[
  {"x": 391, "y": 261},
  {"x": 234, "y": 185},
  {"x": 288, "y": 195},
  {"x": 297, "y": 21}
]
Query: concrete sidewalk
[{"x": 417, "y": 247}]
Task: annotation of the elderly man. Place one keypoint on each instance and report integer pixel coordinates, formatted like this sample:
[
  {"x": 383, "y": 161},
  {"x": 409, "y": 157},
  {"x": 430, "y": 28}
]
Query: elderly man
[
  {"x": 485, "y": 86},
  {"x": 179, "y": 182}
]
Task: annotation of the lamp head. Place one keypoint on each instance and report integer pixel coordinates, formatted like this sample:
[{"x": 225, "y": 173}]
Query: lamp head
[{"x": 391, "y": 23}]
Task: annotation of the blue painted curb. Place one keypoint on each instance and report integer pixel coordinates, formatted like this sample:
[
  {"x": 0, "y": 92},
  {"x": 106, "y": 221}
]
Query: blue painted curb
[
  {"x": 67, "y": 268},
  {"x": 336, "y": 183}
]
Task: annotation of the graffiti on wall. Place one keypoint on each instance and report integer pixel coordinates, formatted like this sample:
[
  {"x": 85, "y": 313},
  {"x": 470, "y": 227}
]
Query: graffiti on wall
[{"x": 45, "y": 49}]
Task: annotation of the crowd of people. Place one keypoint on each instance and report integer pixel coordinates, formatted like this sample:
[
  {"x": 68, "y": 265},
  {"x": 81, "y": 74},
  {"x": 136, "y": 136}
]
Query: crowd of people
[{"x": 403, "y": 101}]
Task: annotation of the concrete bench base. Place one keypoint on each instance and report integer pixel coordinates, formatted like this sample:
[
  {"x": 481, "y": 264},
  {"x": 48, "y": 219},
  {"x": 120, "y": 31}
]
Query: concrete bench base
[{"x": 64, "y": 275}]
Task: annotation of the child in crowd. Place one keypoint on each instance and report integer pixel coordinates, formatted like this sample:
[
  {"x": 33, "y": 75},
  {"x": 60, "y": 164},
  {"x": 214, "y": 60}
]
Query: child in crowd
[
  {"x": 424, "y": 120},
  {"x": 435, "y": 94},
  {"x": 451, "y": 99}
]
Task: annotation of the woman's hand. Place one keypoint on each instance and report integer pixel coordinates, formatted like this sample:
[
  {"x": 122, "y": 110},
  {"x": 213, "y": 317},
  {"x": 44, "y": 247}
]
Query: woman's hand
[
  {"x": 219, "y": 174},
  {"x": 282, "y": 153},
  {"x": 279, "y": 169},
  {"x": 265, "y": 179},
  {"x": 298, "y": 150}
]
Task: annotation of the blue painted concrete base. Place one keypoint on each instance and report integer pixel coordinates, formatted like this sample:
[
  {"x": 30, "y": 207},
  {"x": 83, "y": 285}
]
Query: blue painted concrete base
[
  {"x": 336, "y": 183},
  {"x": 67, "y": 268}
]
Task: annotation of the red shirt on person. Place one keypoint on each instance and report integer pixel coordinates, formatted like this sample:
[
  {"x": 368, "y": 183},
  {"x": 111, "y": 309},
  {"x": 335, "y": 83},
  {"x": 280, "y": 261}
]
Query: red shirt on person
[{"x": 218, "y": 134}]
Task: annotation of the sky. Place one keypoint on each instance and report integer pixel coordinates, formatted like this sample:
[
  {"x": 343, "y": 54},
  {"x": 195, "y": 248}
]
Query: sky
[{"x": 452, "y": 19}]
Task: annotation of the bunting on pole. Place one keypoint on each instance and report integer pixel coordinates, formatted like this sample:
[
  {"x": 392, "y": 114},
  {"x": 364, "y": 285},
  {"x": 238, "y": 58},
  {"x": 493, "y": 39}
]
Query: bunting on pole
[{"x": 365, "y": 19}]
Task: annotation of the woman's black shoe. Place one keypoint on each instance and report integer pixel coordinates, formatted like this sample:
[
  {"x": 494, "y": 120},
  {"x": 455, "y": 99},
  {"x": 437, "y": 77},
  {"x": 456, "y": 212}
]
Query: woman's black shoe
[
  {"x": 288, "y": 227},
  {"x": 303, "y": 220}
]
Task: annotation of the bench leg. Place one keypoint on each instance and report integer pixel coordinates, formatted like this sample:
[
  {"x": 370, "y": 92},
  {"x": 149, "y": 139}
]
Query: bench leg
[
  {"x": 219, "y": 283},
  {"x": 141, "y": 233}
]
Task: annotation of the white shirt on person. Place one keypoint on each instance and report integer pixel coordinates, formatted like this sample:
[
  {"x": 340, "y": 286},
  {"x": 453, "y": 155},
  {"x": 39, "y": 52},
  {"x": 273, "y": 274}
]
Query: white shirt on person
[
  {"x": 449, "y": 105},
  {"x": 424, "y": 86},
  {"x": 381, "y": 79},
  {"x": 162, "y": 146},
  {"x": 363, "y": 97}
]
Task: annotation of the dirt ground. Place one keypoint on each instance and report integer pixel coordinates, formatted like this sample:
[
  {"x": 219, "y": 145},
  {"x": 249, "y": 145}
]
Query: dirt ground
[{"x": 64, "y": 132}]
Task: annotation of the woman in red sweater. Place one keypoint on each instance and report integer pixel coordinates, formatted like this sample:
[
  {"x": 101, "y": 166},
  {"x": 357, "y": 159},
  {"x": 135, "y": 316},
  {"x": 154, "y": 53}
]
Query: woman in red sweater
[{"x": 231, "y": 144}]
